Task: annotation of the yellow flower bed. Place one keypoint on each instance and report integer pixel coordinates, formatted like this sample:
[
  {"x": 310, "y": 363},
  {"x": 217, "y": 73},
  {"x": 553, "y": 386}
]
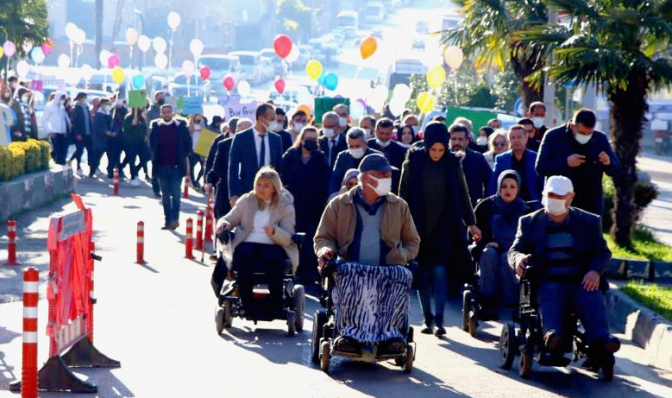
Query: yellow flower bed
[{"x": 19, "y": 158}]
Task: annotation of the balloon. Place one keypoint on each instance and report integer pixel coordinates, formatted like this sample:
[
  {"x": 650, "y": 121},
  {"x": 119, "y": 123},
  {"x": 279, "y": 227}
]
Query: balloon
[
  {"x": 2, "y": 52},
  {"x": 131, "y": 36},
  {"x": 161, "y": 61},
  {"x": 173, "y": 20},
  {"x": 293, "y": 54},
  {"x": 229, "y": 83},
  {"x": 320, "y": 79},
  {"x": 453, "y": 57},
  {"x": 63, "y": 61},
  {"x": 397, "y": 106},
  {"x": 436, "y": 76},
  {"x": 37, "y": 55},
  {"x": 282, "y": 45},
  {"x": 331, "y": 81},
  {"x": 196, "y": 47},
  {"x": 379, "y": 96},
  {"x": 305, "y": 108},
  {"x": 205, "y": 73},
  {"x": 22, "y": 68},
  {"x": 280, "y": 86},
  {"x": 104, "y": 56},
  {"x": 244, "y": 88},
  {"x": 72, "y": 77},
  {"x": 314, "y": 69},
  {"x": 188, "y": 68},
  {"x": 144, "y": 43},
  {"x": 425, "y": 102},
  {"x": 113, "y": 61},
  {"x": 27, "y": 46},
  {"x": 357, "y": 110},
  {"x": 159, "y": 45},
  {"x": 70, "y": 31},
  {"x": 86, "y": 72},
  {"x": 9, "y": 49},
  {"x": 118, "y": 74},
  {"x": 48, "y": 46},
  {"x": 138, "y": 81},
  {"x": 79, "y": 37},
  {"x": 368, "y": 47},
  {"x": 401, "y": 93}
]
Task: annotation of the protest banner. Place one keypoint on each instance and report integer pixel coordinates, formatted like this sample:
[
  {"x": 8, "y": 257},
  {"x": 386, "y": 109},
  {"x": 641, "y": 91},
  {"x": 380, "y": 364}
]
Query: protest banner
[
  {"x": 137, "y": 98},
  {"x": 204, "y": 142},
  {"x": 192, "y": 105},
  {"x": 327, "y": 104},
  {"x": 478, "y": 118},
  {"x": 240, "y": 110}
]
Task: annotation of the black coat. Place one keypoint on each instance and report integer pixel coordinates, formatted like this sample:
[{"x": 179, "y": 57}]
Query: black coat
[
  {"x": 219, "y": 177},
  {"x": 395, "y": 154},
  {"x": 485, "y": 211},
  {"x": 477, "y": 171},
  {"x": 341, "y": 145},
  {"x": 308, "y": 183}
]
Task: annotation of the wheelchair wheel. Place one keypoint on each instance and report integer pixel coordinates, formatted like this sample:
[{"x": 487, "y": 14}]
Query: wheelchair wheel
[
  {"x": 408, "y": 360},
  {"x": 525, "y": 364},
  {"x": 299, "y": 306},
  {"x": 507, "y": 345},
  {"x": 291, "y": 323},
  {"x": 608, "y": 369},
  {"x": 223, "y": 317},
  {"x": 325, "y": 353},
  {"x": 318, "y": 325},
  {"x": 473, "y": 323},
  {"x": 467, "y": 296},
  {"x": 219, "y": 320}
]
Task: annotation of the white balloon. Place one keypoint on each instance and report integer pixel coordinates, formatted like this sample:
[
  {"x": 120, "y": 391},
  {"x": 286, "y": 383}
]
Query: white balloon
[
  {"x": 70, "y": 30},
  {"x": 293, "y": 54},
  {"x": 86, "y": 71},
  {"x": 72, "y": 77},
  {"x": 188, "y": 68},
  {"x": 244, "y": 88},
  {"x": 454, "y": 57},
  {"x": 397, "y": 106},
  {"x": 144, "y": 43},
  {"x": 104, "y": 56},
  {"x": 131, "y": 36},
  {"x": 173, "y": 20},
  {"x": 80, "y": 37},
  {"x": 22, "y": 68},
  {"x": 63, "y": 61},
  {"x": 196, "y": 47},
  {"x": 379, "y": 96},
  {"x": 159, "y": 45},
  {"x": 161, "y": 61},
  {"x": 401, "y": 93},
  {"x": 357, "y": 110}
]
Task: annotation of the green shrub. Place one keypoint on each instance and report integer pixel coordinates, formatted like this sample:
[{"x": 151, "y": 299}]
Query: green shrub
[
  {"x": 645, "y": 193},
  {"x": 20, "y": 157}
]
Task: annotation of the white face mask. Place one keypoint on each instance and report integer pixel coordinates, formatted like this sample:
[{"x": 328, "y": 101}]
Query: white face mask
[
  {"x": 383, "y": 144},
  {"x": 329, "y": 133},
  {"x": 342, "y": 121},
  {"x": 415, "y": 130},
  {"x": 367, "y": 132},
  {"x": 356, "y": 153},
  {"x": 582, "y": 138},
  {"x": 297, "y": 127},
  {"x": 384, "y": 186},
  {"x": 555, "y": 207},
  {"x": 538, "y": 122},
  {"x": 106, "y": 108},
  {"x": 277, "y": 127},
  {"x": 482, "y": 141}
]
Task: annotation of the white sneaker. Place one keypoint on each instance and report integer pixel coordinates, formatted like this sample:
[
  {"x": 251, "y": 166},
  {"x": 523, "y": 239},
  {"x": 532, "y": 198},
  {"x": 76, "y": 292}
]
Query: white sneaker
[
  {"x": 80, "y": 172},
  {"x": 135, "y": 182}
]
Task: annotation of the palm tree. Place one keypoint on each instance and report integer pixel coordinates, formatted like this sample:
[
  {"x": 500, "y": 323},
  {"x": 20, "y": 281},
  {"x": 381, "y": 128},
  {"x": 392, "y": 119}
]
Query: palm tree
[
  {"x": 486, "y": 36},
  {"x": 614, "y": 45}
]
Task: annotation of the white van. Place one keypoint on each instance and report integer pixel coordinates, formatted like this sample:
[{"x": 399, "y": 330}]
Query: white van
[
  {"x": 251, "y": 67},
  {"x": 375, "y": 12}
]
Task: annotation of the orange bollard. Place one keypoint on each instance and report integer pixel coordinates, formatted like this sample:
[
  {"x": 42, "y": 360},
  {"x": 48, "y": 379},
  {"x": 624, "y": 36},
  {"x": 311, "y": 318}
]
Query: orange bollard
[
  {"x": 185, "y": 192},
  {"x": 209, "y": 221},
  {"x": 115, "y": 182},
  {"x": 92, "y": 297},
  {"x": 189, "y": 240},
  {"x": 199, "y": 230},
  {"x": 11, "y": 244},
  {"x": 31, "y": 296},
  {"x": 140, "y": 249}
]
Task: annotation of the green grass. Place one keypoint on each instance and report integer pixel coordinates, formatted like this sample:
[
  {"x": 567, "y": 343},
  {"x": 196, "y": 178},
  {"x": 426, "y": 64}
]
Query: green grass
[
  {"x": 657, "y": 298},
  {"x": 644, "y": 247}
]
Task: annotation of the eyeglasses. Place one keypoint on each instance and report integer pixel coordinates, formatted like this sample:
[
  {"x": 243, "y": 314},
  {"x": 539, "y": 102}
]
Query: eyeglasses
[{"x": 500, "y": 143}]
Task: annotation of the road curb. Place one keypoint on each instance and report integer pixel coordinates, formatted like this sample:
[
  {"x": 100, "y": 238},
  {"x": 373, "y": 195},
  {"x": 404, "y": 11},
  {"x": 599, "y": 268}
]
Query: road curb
[{"x": 644, "y": 327}]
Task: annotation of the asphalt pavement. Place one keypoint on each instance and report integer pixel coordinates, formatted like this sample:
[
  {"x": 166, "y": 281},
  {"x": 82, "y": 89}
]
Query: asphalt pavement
[{"x": 658, "y": 215}]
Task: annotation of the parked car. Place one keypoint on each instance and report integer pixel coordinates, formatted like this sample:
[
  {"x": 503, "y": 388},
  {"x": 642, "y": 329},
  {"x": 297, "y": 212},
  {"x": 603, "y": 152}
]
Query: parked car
[
  {"x": 192, "y": 87},
  {"x": 422, "y": 27},
  {"x": 251, "y": 68},
  {"x": 418, "y": 44},
  {"x": 279, "y": 65},
  {"x": 221, "y": 66},
  {"x": 267, "y": 69}
]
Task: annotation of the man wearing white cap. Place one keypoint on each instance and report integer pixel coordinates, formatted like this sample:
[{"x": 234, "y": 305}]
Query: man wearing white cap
[{"x": 566, "y": 247}]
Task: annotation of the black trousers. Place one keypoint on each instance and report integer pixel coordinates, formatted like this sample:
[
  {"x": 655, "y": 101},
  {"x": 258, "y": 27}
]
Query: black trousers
[
  {"x": 249, "y": 258},
  {"x": 114, "y": 148},
  {"x": 84, "y": 143},
  {"x": 60, "y": 146}
]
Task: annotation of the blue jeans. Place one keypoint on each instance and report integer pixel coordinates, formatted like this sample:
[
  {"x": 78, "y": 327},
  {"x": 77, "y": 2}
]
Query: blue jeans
[
  {"x": 440, "y": 288},
  {"x": 170, "y": 180},
  {"x": 497, "y": 279}
]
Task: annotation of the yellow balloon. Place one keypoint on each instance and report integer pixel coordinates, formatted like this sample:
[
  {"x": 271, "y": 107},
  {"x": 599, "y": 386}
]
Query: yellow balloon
[
  {"x": 118, "y": 74},
  {"x": 2, "y": 52},
  {"x": 314, "y": 69},
  {"x": 425, "y": 102},
  {"x": 436, "y": 76}
]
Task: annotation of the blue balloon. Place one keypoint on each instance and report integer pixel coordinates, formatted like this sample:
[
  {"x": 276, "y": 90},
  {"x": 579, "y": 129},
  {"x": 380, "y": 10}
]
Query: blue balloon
[
  {"x": 37, "y": 55},
  {"x": 138, "y": 81},
  {"x": 320, "y": 79},
  {"x": 331, "y": 81}
]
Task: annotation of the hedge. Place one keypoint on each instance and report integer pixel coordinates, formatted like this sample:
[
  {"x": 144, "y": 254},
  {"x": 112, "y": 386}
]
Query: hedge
[{"x": 22, "y": 157}]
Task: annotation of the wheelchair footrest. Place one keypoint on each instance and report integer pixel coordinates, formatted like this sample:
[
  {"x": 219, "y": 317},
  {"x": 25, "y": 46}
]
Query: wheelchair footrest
[{"x": 556, "y": 360}]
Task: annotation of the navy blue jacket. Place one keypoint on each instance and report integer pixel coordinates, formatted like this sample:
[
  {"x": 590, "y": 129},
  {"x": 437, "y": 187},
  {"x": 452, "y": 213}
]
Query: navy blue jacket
[
  {"x": 102, "y": 123},
  {"x": 341, "y": 145},
  {"x": 79, "y": 123},
  {"x": 286, "y": 140},
  {"x": 477, "y": 171},
  {"x": 183, "y": 145},
  {"x": 344, "y": 162},
  {"x": 558, "y": 144},
  {"x": 533, "y": 182},
  {"x": 218, "y": 173},
  {"x": 244, "y": 162}
]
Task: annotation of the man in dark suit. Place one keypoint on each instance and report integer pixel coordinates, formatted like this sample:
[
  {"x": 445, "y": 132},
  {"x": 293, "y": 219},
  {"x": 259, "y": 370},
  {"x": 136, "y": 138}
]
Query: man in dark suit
[
  {"x": 82, "y": 129},
  {"x": 528, "y": 125},
  {"x": 395, "y": 153},
  {"x": 343, "y": 113},
  {"x": 476, "y": 169},
  {"x": 281, "y": 129},
  {"x": 350, "y": 159},
  {"x": 577, "y": 151},
  {"x": 251, "y": 150},
  {"x": 522, "y": 160},
  {"x": 566, "y": 248},
  {"x": 332, "y": 142}
]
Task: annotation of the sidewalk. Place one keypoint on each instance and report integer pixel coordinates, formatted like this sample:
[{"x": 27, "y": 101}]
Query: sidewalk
[{"x": 658, "y": 215}]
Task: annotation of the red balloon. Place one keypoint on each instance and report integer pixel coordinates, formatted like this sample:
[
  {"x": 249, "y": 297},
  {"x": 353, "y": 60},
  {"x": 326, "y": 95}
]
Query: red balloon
[
  {"x": 205, "y": 73},
  {"x": 282, "y": 45},
  {"x": 280, "y": 86},
  {"x": 229, "y": 83}
]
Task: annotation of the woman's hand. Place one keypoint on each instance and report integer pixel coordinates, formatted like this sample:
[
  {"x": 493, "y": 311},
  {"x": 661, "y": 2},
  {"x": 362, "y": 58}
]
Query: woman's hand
[
  {"x": 475, "y": 232},
  {"x": 270, "y": 231},
  {"x": 221, "y": 227}
]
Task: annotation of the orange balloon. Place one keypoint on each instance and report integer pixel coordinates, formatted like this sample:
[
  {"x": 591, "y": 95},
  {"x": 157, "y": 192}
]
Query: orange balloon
[{"x": 368, "y": 47}]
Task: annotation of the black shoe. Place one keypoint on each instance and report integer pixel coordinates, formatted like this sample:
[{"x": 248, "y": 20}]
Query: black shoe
[
  {"x": 553, "y": 342},
  {"x": 346, "y": 344},
  {"x": 165, "y": 227},
  {"x": 440, "y": 331},
  {"x": 174, "y": 225},
  {"x": 427, "y": 329},
  {"x": 392, "y": 346}
]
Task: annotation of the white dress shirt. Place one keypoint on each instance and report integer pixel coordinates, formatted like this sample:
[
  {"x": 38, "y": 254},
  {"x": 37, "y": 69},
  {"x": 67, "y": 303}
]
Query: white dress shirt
[
  {"x": 257, "y": 145},
  {"x": 262, "y": 218}
]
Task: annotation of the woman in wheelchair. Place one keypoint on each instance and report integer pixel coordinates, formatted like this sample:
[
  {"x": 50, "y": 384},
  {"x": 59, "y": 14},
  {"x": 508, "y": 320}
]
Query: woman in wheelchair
[
  {"x": 264, "y": 222},
  {"x": 497, "y": 218}
]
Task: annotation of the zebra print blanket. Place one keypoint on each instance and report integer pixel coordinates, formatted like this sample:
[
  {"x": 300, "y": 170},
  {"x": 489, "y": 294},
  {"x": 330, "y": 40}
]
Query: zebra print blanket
[{"x": 371, "y": 302}]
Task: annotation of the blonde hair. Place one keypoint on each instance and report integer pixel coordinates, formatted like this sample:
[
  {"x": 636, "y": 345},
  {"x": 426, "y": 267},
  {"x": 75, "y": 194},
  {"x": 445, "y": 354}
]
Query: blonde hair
[
  {"x": 272, "y": 176},
  {"x": 498, "y": 133}
]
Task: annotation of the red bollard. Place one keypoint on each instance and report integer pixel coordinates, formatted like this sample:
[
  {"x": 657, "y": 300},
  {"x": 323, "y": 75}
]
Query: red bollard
[
  {"x": 210, "y": 220},
  {"x": 115, "y": 182},
  {"x": 11, "y": 244},
  {"x": 199, "y": 230},
  {"x": 92, "y": 297},
  {"x": 185, "y": 192},
  {"x": 31, "y": 296},
  {"x": 140, "y": 249},
  {"x": 189, "y": 240}
]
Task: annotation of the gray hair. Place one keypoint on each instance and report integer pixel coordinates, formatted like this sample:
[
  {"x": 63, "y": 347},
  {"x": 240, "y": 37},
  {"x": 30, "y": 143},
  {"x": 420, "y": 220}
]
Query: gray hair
[
  {"x": 342, "y": 106},
  {"x": 356, "y": 133},
  {"x": 330, "y": 115},
  {"x": 243, "y": 121},
  {"x": 465, "y": 122}
]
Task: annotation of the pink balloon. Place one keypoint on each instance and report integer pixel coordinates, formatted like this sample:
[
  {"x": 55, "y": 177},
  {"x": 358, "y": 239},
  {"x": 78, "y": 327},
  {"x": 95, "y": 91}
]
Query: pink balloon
[
  {"x": 205, "y": 73},
  {"x": 48, "y": 46},
  {"x": 9, "y": 49},
  {"x": 229, "y": 83},
  {"x": 113, "y": 61},
  {"x": 280, "y": 86}
]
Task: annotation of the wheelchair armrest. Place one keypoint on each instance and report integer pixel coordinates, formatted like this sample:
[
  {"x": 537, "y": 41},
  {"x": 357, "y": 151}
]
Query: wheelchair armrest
[
  {"x": 530, "y": 272},
  {"x": 299, "y": 238},
  {"x": 413, "y": 266},
  {"x": 329, "y": 268}
]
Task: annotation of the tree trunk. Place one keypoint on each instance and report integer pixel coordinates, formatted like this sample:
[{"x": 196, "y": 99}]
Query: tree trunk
[
  {"x": 628, "y": 107},
  {"x": 117, "y": 24},
  {"x": 99, "y": 30},
  {"x": 524, "y": 63}
]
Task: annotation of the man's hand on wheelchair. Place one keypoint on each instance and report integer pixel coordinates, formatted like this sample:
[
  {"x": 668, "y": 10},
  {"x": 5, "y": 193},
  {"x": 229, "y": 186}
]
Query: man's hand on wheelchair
[
  {"x": 475, "y": 233},
  {"x": 520, "y": 267},
  {"x": 325, "y": 255},
  {"x": 591, "y": 281}
]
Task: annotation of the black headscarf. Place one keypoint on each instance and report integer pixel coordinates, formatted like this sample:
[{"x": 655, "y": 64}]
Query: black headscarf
[
  {"x": 514, "y": 209},
  {"x": 436, "y": 132}
]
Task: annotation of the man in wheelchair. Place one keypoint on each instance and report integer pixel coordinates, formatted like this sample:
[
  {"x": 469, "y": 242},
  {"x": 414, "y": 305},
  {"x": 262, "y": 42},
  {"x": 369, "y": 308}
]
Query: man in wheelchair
[
  {"x": 264, "y": 222},
  {"x": 566, "y": 248},
  {"x": 368, "y": 225}
]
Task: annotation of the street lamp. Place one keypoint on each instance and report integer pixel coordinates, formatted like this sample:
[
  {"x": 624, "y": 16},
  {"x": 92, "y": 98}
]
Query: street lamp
[{"x": 173, "y": 23}]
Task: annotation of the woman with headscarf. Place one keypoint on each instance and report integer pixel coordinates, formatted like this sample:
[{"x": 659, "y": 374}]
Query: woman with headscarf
[
  {"x": 405, "y": 136},
  {"x": 349, "y": 182},
  {"x": 497, "y": 218},
  {"x": 433, "y": 184}
]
